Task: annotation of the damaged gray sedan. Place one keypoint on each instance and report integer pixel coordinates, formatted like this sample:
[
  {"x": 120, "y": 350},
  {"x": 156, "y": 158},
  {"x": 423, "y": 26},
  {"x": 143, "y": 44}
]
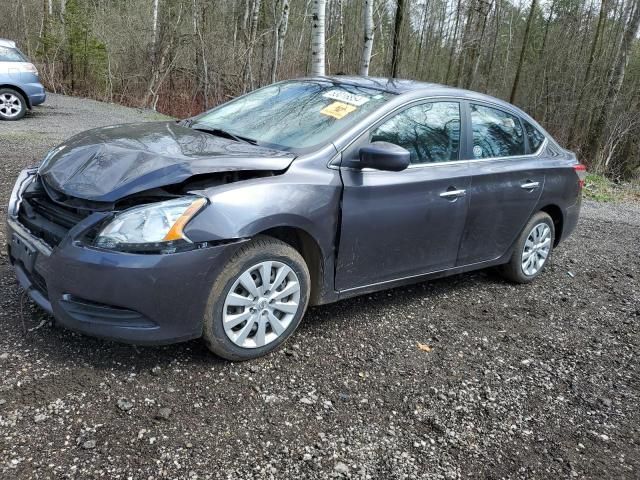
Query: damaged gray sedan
[{"x": 228, "y": 225}]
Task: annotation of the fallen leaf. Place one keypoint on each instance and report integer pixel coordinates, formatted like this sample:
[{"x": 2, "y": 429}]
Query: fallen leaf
[{"x": 424, "y": 347}]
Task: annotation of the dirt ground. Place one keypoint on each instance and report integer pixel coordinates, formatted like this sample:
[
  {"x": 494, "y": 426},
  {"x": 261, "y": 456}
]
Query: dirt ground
[{"x": 537, "y": 381}]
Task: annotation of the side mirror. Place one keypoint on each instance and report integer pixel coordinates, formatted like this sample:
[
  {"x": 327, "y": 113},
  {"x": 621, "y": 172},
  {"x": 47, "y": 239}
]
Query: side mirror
[{"x": 384, "y": 156}]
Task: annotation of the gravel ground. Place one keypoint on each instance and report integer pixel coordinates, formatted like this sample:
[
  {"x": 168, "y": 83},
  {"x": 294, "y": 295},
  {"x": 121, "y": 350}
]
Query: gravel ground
[{"x": 538, "y": 381}]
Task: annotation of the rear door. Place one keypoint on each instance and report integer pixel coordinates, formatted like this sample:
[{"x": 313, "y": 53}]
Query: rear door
[
  {"x": 401, "y": 224},
  {"x": 506, "y": 183}
]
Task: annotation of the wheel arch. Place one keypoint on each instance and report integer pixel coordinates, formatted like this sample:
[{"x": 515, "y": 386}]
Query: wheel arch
[
  {"x": 555, "y": 212},
  {"x": 309, "y": 248},
  {"x": 19, "y": 90}
]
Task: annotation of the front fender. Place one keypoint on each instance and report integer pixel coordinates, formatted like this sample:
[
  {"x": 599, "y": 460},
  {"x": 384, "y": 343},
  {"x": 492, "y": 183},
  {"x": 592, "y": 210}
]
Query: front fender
[{"x": 294, "y": 199}]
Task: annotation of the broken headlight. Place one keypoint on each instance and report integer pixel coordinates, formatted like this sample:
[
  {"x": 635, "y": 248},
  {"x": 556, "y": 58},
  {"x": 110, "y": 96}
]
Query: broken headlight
[{"x": 156, "y": 227}]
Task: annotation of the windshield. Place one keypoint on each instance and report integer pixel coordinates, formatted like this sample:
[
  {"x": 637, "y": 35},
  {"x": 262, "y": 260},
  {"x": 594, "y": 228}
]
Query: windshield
[
  {"x": 11, "y": 55},
  {"x": 295, "y": 114}
]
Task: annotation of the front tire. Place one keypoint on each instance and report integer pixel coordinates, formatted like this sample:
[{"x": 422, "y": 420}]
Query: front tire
[
  {"x": 13, "y": 106},
  {"x": 532, "y": 250},
  {"x": 258, "y": 300}
]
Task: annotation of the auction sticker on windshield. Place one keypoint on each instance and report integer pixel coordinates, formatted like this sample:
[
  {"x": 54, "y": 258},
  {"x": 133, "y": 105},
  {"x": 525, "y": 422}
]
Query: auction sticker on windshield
[
  {"x": 346, "y": 97},
  {"x": 338, "y": 110}
]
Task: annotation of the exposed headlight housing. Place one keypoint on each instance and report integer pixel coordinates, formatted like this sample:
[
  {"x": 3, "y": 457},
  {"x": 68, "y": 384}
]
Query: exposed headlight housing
[{"x": 151, "y": 228}]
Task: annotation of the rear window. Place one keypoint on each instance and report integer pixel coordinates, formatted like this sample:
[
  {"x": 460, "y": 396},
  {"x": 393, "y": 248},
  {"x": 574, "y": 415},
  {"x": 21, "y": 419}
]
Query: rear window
[
  {"x": 534, "y": 136},
  {"x": 496, "y": 133},
  {"x": 11, "y": 55}
]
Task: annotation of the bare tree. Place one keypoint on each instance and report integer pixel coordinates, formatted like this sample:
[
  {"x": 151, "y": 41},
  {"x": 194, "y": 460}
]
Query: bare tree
[
  {"x": 523, "y": 51},
  {"x": 395, "y": 49},
  {"x": 280, "y": 33},
  {"x": 615, "y": 81},
  {"x": 587, "y": 73},
  {"x": 367, "y": 48},
  {"x": 317, "y": 37}
]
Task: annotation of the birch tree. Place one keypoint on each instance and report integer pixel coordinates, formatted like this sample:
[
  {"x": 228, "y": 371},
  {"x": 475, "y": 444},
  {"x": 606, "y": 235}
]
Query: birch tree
[
  {"x": 280, "y": 32},
  {"x": 317, "y": 37},
  {"x": 367, "y": 48}
]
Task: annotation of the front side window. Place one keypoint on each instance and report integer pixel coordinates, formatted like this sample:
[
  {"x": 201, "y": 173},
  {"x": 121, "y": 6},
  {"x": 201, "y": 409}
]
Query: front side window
[
  {"x": 430, "y": 131},
  {"x": 10, "y": 55},
  {"x": 534, "y": 136},
  {"x": 295, "y": 114},
  {"x": 496, "y": 133}
]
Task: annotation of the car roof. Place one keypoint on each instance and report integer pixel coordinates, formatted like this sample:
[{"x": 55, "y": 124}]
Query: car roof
[
  {"x": 7, "y": 43},
  {"x": 416, "y": 88}
]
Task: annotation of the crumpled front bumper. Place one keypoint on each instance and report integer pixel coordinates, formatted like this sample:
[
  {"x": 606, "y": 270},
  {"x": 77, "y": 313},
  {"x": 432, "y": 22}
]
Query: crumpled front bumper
[{"x": 142, "y": 299}]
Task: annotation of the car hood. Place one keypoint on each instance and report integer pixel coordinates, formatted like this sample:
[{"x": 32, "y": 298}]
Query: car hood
[{"x": 109, "y": 163}]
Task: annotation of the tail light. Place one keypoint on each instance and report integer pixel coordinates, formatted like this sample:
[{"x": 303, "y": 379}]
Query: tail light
[{"x": 581, "y": 171}]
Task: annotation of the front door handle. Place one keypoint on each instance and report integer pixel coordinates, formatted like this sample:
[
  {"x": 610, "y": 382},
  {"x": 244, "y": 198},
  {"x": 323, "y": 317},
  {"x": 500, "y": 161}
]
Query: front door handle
[
  {"x": 451, "y": 194},
  {"x": 530, "y": 185}
]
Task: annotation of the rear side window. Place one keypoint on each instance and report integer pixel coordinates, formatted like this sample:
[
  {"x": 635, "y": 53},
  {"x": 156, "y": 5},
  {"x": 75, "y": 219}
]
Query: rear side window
[
  {"x": 496, "y": 133},
  {"x": 430, "y": 131},
  {"x": 534, "y": 136},
  {"x": 10, "y": 55}
]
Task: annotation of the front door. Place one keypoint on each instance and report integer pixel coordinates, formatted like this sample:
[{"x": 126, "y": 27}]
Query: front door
[{"x": 402, "y": 224}]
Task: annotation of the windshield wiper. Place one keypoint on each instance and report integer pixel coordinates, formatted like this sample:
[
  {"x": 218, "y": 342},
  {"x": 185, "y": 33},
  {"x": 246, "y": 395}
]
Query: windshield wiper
[
  {"x": 187, "y": 122},
  {"x": 223, "y": 133}
]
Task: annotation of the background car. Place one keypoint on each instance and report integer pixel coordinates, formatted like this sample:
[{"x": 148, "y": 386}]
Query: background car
[
  {"x": 228, "y": 225},
  {"x": 20, "y": 87}
]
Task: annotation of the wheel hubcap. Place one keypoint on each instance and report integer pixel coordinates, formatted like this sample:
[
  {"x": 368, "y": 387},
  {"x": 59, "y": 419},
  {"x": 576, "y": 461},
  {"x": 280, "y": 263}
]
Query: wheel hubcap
[
  {"x": 10, "y": 105},
  {"x": 261, "y": 304},
  {"x": 536, "y": 249}
]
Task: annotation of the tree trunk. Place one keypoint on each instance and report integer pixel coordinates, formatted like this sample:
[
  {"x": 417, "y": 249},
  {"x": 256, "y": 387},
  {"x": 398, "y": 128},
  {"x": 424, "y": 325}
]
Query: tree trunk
[
  {"x": 397, "y": 28},
  {"x": 280, "y": 33},
  {"x": 615, "y": 81},
  {"x": 367, "y": 48},
  {"x": 317, "y": 38},
  {"x": 247, "y": 75},
  {"x": 587, "y": 73},
  {"x": 454, "y": 45},
  {"x": 154, "y": 36},
  {"x": 523, "y": 51},
  {"x": 341, "y": 34}
]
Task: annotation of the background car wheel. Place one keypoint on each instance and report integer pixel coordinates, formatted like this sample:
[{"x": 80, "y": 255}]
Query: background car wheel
[
  {"x": 13, "y": 106},
  {"x": 258, "y": 300},
  {"x": 532, "y": 250}
]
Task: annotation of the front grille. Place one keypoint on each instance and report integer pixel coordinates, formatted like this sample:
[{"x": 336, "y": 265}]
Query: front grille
[{"x": 45, "y": 218}]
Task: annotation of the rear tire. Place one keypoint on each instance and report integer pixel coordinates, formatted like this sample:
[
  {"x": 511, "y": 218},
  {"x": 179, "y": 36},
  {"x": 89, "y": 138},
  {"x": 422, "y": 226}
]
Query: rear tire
[
  {"x": 248, "y": 317},
  {"x": 532, "y": 250},
  {"x": 13, "y": 105}
]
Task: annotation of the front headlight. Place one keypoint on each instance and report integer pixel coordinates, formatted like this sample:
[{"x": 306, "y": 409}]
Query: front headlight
[{"x": 155, "y": 227}]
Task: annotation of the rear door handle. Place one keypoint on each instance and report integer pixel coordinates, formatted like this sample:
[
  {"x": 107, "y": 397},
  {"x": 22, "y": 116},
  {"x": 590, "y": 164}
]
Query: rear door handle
[
  {"x": 530, "y": 185},
  {"x": 453, "y": 194}
]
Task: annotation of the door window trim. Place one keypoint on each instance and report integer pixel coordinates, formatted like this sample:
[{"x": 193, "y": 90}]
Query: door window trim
[
  {"x": 466, "y": 135},
  {"x": 484, "y": 103}
]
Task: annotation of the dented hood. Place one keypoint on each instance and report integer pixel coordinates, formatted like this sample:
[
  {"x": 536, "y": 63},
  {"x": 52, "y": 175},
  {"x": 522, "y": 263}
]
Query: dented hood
[{"x": 107, "y": 164}]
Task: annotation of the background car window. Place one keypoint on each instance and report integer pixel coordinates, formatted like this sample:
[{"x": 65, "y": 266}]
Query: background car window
[
  {"x": 534, "y": 136},
  {"x": 495, "y": 133},
  {"x": 10, "y": 55},
  {"x": 430, "y": 131}
]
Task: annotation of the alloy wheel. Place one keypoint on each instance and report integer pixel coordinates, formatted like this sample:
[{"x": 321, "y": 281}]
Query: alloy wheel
[
  {"x": 10, "y": 105},
  {"x": 261, "y": 304},
  {"x": 536, "y": 249}
]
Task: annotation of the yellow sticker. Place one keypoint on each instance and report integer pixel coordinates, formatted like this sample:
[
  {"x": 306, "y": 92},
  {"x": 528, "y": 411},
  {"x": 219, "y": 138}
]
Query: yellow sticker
[{"x": 338, "y": 110}]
